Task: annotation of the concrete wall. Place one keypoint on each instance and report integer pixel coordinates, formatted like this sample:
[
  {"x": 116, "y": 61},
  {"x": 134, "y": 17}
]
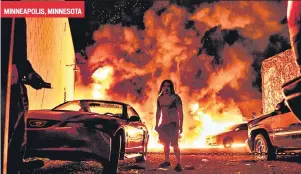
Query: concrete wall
[
  {"x": 50, "y": 49},
  {"x": 275, "y": 71}
]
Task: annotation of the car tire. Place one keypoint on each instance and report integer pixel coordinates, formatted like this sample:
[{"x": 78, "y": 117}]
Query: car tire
[
  {"x": 228, "y": 141},
  {"x": 143, "y": 157},
  {"x": 111, "y": 167},
  {"x": 263, "y": 145}
]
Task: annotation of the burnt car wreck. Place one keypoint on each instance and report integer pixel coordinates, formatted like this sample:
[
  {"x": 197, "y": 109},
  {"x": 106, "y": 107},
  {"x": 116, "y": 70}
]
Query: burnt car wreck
[{"x": 104, "y": 131}]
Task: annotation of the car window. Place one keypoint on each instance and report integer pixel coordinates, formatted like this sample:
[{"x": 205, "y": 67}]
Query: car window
[
  {"x": 110, "y": 109},
  {"x": 238, "y": 127},
  {"x": 131, "y": 112},
  {"x": 243, "y": 127},
  {"x": 231, "y": 128},
  {"x": 107, "y": 109},
  {"x": 68, "y": 106}
]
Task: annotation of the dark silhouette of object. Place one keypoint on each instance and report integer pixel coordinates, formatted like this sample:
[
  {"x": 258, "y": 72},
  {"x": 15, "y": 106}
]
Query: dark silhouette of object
[
  {"x": 169, "y": 105},
  {"x": 22, "y": 73},
  {"x": 292, "y": 94},
  {"x": 294, "y": 26},
  {"x": 84, "y": 106},
  {"x": 292, "y": 89}
]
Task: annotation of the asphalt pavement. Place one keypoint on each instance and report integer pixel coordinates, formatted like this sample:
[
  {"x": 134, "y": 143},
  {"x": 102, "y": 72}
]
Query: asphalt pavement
[{"x": 202, "y": 160}]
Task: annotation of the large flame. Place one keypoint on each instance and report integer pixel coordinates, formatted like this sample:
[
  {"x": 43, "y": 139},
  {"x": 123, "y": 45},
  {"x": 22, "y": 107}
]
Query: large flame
[
  {"x": 132, "y": 64},
  {"x": 102, "y": 81}
]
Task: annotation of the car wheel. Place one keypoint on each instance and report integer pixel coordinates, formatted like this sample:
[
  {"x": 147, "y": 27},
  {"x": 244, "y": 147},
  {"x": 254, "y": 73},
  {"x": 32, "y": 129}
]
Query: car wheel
[
  {"x": 142, "y": 158},
  {"x": 263, "y": 147},
  {"x": 112, "y": 166},
  {"x": 228, "y": 142}
]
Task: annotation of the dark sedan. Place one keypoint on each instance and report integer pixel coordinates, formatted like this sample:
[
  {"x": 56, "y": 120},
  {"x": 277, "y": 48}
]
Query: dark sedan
[{"x": 105, "y": 131}]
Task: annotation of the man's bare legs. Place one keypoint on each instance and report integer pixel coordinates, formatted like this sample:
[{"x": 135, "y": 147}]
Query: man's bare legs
[
  {"x": 166, "y": 152},
  {"x": 176, "y": 150},
  {"x": 166, "y": 163}
]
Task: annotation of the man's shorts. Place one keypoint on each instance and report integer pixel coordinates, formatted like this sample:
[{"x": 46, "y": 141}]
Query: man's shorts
[{"x": 169, "y": 134}]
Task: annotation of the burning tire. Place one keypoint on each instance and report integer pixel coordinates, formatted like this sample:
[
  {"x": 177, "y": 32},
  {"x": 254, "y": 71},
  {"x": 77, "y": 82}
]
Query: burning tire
[
  {"x": 263, "y": 147},
  {"x": 228, "y": 141},
  {"x": 112, "y": 166}
]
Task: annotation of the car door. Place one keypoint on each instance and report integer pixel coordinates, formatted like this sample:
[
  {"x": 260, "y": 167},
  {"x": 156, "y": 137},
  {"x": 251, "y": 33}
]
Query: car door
[
  {"x": 287, "y": 130},
  {"x": 134, "y": 132}
]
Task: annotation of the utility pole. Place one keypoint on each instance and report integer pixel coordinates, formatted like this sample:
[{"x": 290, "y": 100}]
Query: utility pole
[{"x": 7, "y": 105}]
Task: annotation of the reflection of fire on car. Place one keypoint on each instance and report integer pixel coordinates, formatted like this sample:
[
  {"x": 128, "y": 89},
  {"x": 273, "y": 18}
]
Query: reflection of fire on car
[
  {"x": 235, "y": 134},
  {"x": 278, "y": 131},
  {"x": 110, "y": 131}
]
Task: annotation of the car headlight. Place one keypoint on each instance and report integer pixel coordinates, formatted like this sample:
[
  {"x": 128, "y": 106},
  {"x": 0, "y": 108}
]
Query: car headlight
[{"x": 37, "y": 123}]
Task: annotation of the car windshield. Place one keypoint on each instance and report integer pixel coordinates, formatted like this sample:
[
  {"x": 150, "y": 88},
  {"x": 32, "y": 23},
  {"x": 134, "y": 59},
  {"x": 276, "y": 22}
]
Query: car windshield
[
  {"x": 111, "y": 109},
  {"x": 243, "y": 126},
  {"x": 231, "y": 128}
]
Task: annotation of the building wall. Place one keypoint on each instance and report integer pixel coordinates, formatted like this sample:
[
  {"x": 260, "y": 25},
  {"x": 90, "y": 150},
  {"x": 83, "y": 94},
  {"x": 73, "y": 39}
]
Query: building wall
[
  {"x": 50, "y": 50},
  {"x": 275, "y": 71}
]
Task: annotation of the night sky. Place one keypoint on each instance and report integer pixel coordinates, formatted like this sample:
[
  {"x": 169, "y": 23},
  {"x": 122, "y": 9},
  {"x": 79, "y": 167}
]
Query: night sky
[{"x": 131, "y": 12}]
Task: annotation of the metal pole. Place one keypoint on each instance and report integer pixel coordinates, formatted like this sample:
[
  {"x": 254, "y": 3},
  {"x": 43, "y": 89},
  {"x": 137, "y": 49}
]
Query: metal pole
[{"x": 8, "y": 91}]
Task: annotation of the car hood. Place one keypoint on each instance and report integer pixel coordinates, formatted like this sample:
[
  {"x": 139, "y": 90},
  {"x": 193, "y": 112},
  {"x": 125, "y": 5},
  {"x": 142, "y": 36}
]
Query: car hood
[
  {"x": 109, "y": 124},
  {"x": 260, "y": 118}
]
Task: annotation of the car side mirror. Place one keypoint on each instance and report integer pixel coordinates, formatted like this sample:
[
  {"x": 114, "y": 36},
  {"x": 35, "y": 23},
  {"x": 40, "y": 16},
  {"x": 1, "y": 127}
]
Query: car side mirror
[
  {"x": 134, "y": 118},
  {"x": 236, "y": 129}
]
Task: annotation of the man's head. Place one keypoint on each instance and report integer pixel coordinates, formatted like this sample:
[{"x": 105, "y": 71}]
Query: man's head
[{"x": 167, "y": 87}]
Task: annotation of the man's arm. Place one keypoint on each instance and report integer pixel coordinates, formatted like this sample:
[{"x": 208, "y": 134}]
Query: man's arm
[
  {"x": 294, "y": 25},
  {"x": 22, "y": 64},
  {"x": 158, "y": 113},
  {"x": 180, "y": 113}
]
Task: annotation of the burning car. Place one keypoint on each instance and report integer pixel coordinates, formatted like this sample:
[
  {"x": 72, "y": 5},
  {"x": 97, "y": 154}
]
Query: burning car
[
  {"x": 278, "y": 131},
  {"x": 104, "y": 131},
  {"x": 237, "y": 133}
]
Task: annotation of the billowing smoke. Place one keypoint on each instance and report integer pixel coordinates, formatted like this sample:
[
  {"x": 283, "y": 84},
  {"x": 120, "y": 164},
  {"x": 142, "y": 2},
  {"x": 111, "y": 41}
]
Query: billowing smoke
[
  {"x": 207, "y": 54},
  {"x": 254, "y": 20}
]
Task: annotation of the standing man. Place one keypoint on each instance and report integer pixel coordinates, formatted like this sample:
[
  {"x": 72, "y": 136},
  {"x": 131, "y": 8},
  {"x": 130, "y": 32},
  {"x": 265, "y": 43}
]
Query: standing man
[
  {"x": 169, "y": 106},
  {"x": 22, "y": 72}
]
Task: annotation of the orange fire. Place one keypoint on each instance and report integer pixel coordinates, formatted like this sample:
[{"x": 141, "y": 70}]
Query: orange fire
[
  {"x": 132, "y": 64},
  {"x": 102, "y": 81}
]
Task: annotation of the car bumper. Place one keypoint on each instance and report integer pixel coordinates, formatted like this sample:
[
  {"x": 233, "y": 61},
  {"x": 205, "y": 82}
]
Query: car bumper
[{"x": 69, "y": 143}]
